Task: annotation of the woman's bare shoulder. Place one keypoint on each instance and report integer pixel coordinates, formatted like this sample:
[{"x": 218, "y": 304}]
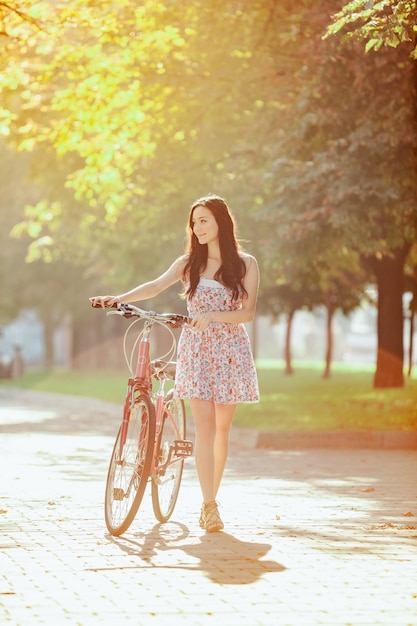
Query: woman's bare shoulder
[
  {"x": 181, "y": 261},
  {"x": 249, "y": 259},
  {"x": 179, "y": 264}
]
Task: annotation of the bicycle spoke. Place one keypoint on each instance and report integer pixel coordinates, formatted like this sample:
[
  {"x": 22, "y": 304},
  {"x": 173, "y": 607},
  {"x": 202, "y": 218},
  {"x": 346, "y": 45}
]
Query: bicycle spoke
[
  {"x": 167, "y": 476},
  {"x": 129, "y": 470}
]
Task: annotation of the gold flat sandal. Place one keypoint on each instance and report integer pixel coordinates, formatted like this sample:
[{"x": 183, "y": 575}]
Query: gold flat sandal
[{"x": 210, "y": 519}]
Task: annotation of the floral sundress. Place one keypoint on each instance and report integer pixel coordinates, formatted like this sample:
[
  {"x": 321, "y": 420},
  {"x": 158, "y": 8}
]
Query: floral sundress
[{"x": 216, "y": 364}]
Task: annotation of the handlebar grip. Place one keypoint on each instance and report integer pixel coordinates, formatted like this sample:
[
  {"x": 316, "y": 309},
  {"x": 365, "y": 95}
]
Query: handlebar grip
[
  {"x": 98, "y": 306},
  {"x": 176, "y": 320}
]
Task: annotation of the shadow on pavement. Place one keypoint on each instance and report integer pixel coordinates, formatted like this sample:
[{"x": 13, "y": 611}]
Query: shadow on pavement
[
  {"x": 228, "y": 560},
  {"x": 224, "y": 558}
]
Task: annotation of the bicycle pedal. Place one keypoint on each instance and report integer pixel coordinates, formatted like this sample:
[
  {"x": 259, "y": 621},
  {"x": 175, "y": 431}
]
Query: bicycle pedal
[
  {"x": 182, "y": 448},
  {"x": 118, "y": 493}
]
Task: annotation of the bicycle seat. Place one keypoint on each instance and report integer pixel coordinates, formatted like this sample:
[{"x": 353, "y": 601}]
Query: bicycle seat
[{"x": 163, "y": 368}]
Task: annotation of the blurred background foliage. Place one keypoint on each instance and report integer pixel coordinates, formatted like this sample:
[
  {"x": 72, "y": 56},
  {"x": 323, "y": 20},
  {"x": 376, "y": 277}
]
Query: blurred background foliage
[{"x": 115, "y": 117}]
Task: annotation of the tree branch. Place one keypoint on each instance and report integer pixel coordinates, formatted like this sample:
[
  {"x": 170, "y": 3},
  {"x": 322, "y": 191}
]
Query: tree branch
[{"x": 5, "y": 6}]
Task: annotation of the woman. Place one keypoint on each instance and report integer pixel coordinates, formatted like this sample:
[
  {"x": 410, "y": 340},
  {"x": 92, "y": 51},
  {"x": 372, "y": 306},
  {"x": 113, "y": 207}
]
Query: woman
[{"x": 215, "y": 368}]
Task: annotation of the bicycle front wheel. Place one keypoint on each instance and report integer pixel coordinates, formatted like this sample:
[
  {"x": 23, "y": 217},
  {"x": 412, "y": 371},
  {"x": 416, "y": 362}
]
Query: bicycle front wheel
[
  {"x": 166, "y": 480},
  {"x": 129, "y": 467}
]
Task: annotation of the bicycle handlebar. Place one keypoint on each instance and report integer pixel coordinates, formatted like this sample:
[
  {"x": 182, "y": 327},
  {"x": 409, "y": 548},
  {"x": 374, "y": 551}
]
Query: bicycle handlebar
[{"x": 174, "y": 320}]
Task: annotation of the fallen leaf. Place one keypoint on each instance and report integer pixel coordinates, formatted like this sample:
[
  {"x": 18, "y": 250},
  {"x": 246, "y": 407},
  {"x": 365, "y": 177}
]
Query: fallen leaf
[
  {"x": 3, "y": 511},
  {"x": 277, "y": 516},
  {"x": 381, "y": 526},
  {"x": 367, "y": 490},
  {"x": 409, "y": 514}
]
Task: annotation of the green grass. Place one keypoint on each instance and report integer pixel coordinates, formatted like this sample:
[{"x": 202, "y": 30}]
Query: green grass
[
  {"x": 104, "y": 385},
  {"x": 303, "y": 401}
]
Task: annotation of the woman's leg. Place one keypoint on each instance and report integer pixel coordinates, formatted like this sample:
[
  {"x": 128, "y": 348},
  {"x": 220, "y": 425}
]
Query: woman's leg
[
  {"x": 212, "y": 429},
  {"x": 204, "y": 416},
  {"x": 224, "y": 417}
]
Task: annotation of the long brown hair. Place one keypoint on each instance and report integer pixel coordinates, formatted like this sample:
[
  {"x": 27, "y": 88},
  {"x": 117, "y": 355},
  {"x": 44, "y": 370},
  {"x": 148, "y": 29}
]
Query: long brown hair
[{"x": 233, "y": 267}]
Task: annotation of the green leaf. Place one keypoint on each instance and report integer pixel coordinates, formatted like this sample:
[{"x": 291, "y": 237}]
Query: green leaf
[{"x": 371, "y": 44}]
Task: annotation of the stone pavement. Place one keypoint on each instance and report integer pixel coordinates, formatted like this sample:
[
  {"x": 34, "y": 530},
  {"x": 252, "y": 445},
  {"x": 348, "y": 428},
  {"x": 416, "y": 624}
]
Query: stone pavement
[{"x": 313, "y": 536}]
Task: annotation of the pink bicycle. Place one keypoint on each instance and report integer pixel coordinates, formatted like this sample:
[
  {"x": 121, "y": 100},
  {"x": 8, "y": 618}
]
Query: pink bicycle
[{"x": 150, "y": 442}]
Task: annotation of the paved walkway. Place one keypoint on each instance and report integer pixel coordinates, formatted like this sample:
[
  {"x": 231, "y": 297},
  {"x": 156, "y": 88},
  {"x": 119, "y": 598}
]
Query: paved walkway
[{"x": 311, "y": 536}]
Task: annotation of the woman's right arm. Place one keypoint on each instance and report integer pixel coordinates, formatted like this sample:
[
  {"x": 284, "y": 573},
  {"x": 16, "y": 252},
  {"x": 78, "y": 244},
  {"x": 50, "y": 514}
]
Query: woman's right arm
[{"x": 146, "y": 290}]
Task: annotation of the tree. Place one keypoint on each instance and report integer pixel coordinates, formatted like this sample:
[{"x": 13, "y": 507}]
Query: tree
[
  {"x": 388, "y": 23},
  {"x": 385, "y": 24},
  {"x": 125, "y": 109},
  {"x": 312, "y": 275},
  {"x": 410, "y": 287},
  {"x": 129, "y": 97},
  {"x": 342, "y": 290},
  {"x": 287, "y": 299},
  {"x": 345, "y": 171}
]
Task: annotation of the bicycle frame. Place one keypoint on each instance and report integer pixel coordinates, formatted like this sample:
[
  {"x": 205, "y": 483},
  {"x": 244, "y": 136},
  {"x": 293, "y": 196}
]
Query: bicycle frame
[{"x": 142, "y": 382}]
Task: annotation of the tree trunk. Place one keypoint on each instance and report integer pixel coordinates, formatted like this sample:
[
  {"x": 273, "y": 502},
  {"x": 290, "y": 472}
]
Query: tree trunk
[
  {"x": 288, "y": 366},
  {"x": 329, "y": 335},
  {"x": 390, "y": 281},
  {"x": 411, "y": 342},
  {"x": 48, "y": 335},
  {"x": 412, "y": 326},
  {"x": 49, "y": 330}
]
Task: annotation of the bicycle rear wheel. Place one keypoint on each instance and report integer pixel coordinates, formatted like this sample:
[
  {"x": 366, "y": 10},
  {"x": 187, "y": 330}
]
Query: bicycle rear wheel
[
  {"x": 167, "y": 478},
  {"x": 129, "y": 469}
]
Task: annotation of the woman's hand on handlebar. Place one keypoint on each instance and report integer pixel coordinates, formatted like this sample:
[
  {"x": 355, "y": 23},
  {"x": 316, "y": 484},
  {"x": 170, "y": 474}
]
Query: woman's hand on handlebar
[{"x": 104, "y": 301}]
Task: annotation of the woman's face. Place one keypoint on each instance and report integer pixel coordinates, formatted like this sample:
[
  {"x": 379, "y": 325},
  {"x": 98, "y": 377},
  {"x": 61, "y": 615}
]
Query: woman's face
[{"x": 204, "y": 225}]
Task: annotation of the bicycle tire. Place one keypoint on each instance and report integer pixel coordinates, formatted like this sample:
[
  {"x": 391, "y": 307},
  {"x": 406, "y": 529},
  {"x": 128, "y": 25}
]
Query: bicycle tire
[
  {"x": 127, "y": 476},
  {"x": 166, "y": 484}
]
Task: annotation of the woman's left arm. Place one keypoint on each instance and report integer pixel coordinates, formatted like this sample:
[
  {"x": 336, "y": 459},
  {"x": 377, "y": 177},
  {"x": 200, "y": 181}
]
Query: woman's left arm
[{"x": 247, "y": 311}]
